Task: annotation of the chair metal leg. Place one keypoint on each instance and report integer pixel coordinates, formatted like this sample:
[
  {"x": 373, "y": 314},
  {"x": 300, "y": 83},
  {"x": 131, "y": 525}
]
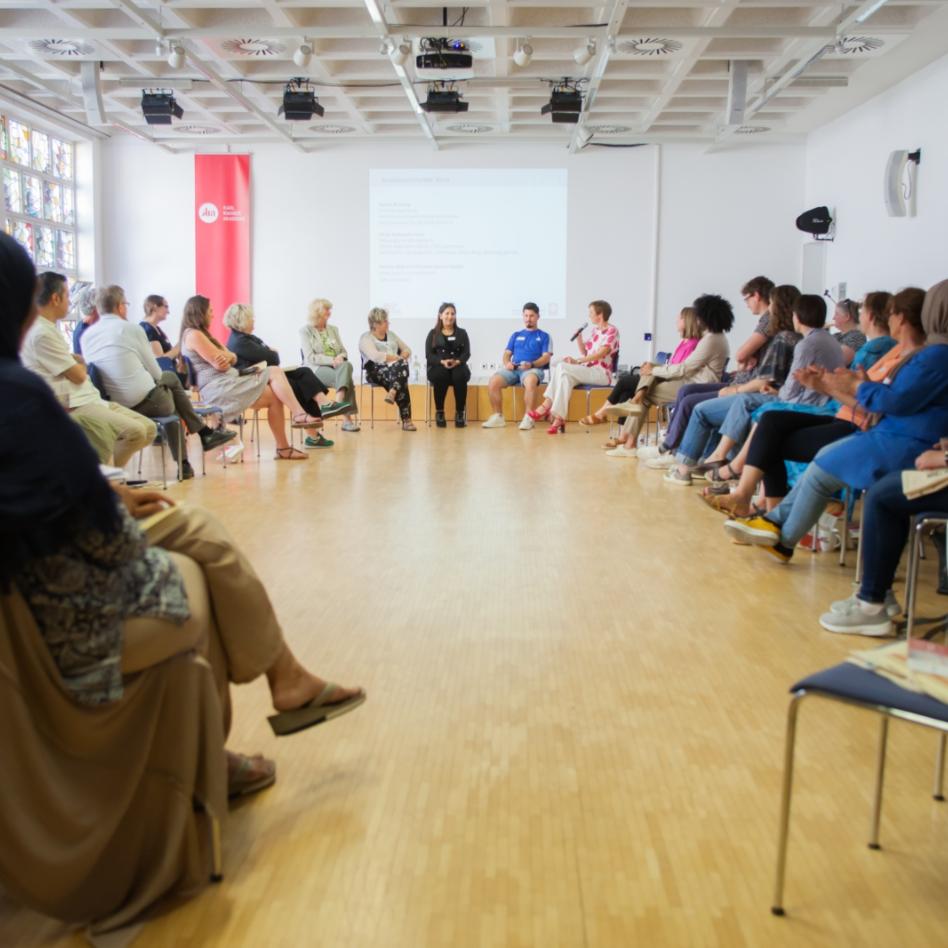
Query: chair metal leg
[
  {"x": 514, "y": 398},
  {"x": 217, "y": 859},
  {"x": 880, "y": 777},
  {"x": 844, "y": 529},
  {"x": 162, "y": 437},
  {"x": 786, "y": 795},
  {"x": 911, "y": 573},
  {"x": 857, "y": 579},
  {"x": 255, "y": 430},
  {"x": 938, "y": 791}
]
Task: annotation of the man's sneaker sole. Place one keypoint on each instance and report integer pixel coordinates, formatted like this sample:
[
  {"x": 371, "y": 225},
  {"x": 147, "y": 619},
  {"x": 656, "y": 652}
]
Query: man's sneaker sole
[{"x": 758, "y": 537}]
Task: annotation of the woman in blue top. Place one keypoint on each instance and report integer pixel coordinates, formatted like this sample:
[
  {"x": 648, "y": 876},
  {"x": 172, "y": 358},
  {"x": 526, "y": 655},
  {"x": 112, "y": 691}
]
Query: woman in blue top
[{"x": 913, "y": 403}]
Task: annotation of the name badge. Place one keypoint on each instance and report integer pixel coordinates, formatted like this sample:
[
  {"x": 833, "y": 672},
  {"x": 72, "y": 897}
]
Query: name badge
[{"x": 450, "y": 338}]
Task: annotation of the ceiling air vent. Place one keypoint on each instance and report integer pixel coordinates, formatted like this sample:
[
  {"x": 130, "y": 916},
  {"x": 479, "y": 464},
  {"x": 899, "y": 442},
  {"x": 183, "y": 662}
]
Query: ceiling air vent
[
  {"x": 62, "y": 47},
  {"x": 609, "y": 129},
  {"x": 333, "y": 129},
  {"x": 467, "y": 128},
  {"x": 649, "y": 46},
  {"x": 253, "y": 47},
  {"x": 196, "y": 129},
  {"x": 751, "y": 129},
  {"x": 858, "y": 45}
]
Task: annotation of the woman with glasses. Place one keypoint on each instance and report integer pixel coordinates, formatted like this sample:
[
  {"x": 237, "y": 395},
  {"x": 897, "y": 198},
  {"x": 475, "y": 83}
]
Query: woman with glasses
[{"x": 168, "y": 355}]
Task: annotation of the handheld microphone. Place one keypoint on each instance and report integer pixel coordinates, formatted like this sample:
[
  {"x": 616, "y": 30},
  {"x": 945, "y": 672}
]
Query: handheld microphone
[{"x": 578, "y": 331}]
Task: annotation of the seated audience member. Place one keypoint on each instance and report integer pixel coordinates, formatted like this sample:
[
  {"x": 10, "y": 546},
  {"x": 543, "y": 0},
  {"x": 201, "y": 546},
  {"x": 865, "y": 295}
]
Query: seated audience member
[
  {"x": 732, "y": 414},
  {"x": 689, "y": 332},
  {"x": 658, "y": 385},
  {"x": 913, "y": 403},
  {"x": 782, "y": 436},
  {"x": 221, "y": 384},
  {"x": 593, "y": 367},
  {"x": 756, "y": 294},
  {"x": 308, "y": 389},
  {"x": 874, "y": 324},
  {"x": 886, "y": 515},
  {"x": 88, "y": 314},
  {"x": 386, "y": 364},
  {"x": 167, "y": 356},
  {"x": 771, "y": 368},
  {"x": 846, "y": 322},
  {"x": 524, "y": 361},
  {"x": 131, "y": 601},
  {"x": 325, "y": 354},
  {"x": 132, "y": 377},
  {"x": 46, "y": 353},
  {"x": 447, "y": 352}
]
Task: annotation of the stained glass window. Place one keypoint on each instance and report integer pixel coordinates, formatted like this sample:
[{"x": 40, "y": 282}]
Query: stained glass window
[{"x": 37, "y": 171}]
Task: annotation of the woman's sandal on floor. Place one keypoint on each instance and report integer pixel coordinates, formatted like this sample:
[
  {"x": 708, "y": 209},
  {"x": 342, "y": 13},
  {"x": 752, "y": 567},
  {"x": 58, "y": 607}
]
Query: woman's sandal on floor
[
  {"x": 612, "y": 443},
  {"x": 321, "y": 708},
  {"x": 248, "y": 774},
  {"x": 290, "y": 454}
]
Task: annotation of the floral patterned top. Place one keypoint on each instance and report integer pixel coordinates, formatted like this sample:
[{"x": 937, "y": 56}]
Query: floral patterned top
[
  {"x": 604, "y": 335},
  {"x": 81, "y": 595}
]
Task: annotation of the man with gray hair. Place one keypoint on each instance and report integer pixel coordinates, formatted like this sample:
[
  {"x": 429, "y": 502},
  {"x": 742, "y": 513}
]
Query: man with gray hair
[
  {"x": 131, "y": 375},
  {"x": 88, "y": 314}
]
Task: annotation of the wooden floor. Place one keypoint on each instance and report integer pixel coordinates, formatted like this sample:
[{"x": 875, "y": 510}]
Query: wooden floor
[{"x": 574, "y": 733}]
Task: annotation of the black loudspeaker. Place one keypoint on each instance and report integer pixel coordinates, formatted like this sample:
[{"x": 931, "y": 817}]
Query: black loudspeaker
[{"x": 816, "y": 221}]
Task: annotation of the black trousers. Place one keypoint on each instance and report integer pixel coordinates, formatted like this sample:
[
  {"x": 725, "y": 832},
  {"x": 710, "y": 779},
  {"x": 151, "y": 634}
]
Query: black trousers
[
  {"x": 394, "y": 377},
  {"x": 625, "y": 387},
  {"x": 441, "y": 378},
  {"x": 791, "y": 436},
  {"x": 306, "y": 387}
]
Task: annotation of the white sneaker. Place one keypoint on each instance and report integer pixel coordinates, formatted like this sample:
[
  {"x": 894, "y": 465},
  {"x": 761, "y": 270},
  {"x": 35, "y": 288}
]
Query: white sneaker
[
  {"x": 856, "y": 621},
  {"x": 659, "y": 462},
  {"x": 622, "y": 452},
  {"x": 892, "y": 607},
  {"x": 495, "y": 421},
  {"x": 649, "y": 451},
  {"x": 526, "y": 423}
]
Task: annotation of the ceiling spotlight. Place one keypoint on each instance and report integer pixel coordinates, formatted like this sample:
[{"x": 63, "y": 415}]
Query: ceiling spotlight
[
  {"x": 158, "y": 107},
  {"x": 299, "y": 102},
  {"x": 399, "y": 53},
  {"x": 176, "y": 57},
  {"x": 566, "y": 102},
  {"x": 303, "y": 55},
  {"x": 585, "y": 53},
  {"x": 523, "y": 55}
]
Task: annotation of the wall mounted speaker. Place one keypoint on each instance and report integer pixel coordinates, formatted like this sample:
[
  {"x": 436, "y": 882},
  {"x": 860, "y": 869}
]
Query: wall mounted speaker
[{"x": 817, "y": 221}]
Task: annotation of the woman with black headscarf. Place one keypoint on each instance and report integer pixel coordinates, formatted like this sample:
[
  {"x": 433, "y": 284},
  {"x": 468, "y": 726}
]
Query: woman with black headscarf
[{"x": 71, "y": 548}]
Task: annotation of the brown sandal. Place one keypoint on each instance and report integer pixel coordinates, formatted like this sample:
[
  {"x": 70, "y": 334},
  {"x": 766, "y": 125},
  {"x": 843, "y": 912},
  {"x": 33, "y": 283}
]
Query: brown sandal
[
  {"x": 591, "y": 420},
  {"x": 612, "y": 443},
  {"x": 290, "y": 454},
  {"x": 302, "y": 420}
]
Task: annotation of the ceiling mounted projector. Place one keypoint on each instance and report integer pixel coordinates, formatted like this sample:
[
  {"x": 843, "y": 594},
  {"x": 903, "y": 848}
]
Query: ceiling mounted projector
[
  {"x": 159, "y": 107},
  {"x": 439, "y": 53},
  {"x": 565, "y": 105},
  {"x": 444, "y": 100},
  {"x": 299, "y": 102}
]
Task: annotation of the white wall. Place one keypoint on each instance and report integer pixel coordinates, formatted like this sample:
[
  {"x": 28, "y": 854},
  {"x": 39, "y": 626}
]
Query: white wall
[
  {"x": 845, "y": 164},
  {"x": 724, "y": 217}
]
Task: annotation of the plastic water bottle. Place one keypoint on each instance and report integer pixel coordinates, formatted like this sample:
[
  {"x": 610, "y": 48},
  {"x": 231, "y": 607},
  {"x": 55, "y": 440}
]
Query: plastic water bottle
[{"x": 416, "y": 369}]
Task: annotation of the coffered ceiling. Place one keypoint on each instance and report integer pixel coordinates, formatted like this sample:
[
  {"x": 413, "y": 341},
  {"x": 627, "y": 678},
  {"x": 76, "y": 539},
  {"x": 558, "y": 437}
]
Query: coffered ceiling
[{"x": 653, "y": 71}]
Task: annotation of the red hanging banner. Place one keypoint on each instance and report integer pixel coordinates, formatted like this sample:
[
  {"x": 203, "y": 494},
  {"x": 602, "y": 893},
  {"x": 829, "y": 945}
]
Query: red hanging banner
[{"x": 222, "y": 232}]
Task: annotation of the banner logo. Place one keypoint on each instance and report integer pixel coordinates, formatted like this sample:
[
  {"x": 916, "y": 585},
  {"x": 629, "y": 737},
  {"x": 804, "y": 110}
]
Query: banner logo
[{"x": 208, "y": 212}]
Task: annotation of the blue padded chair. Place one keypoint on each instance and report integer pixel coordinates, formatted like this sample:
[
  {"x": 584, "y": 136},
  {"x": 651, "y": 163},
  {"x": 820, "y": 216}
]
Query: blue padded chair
[
  {"x": 850, "y": 684},
  {"x": 95, "y": 376}
]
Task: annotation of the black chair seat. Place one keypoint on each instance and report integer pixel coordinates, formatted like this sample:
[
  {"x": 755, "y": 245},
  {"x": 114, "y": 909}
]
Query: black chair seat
[{"x": 852, "y": 683}]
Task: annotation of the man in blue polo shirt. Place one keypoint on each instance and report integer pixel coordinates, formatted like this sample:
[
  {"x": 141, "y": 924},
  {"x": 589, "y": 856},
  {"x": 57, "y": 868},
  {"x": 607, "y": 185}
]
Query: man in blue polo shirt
[{"x": 527, "y": 355}]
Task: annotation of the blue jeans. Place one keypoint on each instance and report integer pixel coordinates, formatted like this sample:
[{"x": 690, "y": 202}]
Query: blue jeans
[
  {"x": 801, "y": 508},
  {"x": 701, "y": 433},
  {"x": 737, "y": 424},
  {"x": 516, "y": 376},
  {"x": 687, "y": 399}
]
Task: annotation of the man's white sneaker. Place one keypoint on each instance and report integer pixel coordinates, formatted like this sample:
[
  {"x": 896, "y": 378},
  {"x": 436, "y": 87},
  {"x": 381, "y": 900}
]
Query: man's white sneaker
[
  {"x": 622, "y": 452},
  {"x": 660, "y": 462},
  {"x": 856, "y": 621},
  {"x": 648, "y": 451},
  {"x": 526, "y": 423},
  {"x": 495, "y": 421},
  {"x": 892, "y": 607}
]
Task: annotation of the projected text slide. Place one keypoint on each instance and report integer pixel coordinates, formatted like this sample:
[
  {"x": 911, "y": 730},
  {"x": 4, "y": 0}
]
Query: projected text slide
[{"x": 485, "y": 240}]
